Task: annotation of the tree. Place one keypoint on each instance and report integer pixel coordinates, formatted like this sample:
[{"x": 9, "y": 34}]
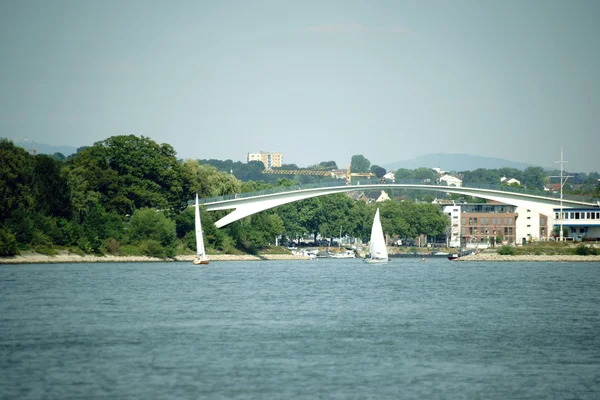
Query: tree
[
  {"x": 424, "y": 174},
  {"x": 207, "y": 181},
  {"x": 378, "y": 171},
  {"x": 404, "y": 174},
  {"x": 129, "y": 173},
  {"x": 152, "y": 230},
  {"x": 50, "y": 187},
  {"x": 533, "y": 178},
  {"x": 359, "y": 163},
  {"x": 8, "y": 243},
  {"x": 16, "y": 179}
]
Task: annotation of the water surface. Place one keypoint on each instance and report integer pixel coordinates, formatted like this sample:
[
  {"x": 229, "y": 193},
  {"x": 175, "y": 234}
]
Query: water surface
[{"x": 331, "y": 329}]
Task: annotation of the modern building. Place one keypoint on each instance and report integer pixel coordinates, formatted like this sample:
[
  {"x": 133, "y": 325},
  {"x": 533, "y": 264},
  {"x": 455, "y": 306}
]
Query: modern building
[
  {"x": 581, "y": 223},
  {"x": 481, "y": 224},
  {"x": 270, "y": 160},
  {"x": 531, "y": 226}
]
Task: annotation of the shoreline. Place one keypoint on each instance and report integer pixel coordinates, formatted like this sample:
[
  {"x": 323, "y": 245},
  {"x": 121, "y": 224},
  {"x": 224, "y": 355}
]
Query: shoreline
[
  {"x": 64, "y": 258},
  {"x": 36, "y": 258},
  {"x": 495, "y": 257}
]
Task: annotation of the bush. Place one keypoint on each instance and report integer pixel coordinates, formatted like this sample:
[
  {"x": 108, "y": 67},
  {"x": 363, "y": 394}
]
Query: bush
[
  {"x": 583, "y": 250},
  {"x": 147, "y": 226},
  {"x": 506, "y": 250},
  {"x": 153, "y": 248},
  {"x": 112, "y": 246},
  {"x": 8, "y": 244}
]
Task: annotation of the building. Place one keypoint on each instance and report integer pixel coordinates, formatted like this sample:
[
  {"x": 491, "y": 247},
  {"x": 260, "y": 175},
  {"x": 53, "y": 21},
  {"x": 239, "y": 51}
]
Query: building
[
  {"x": 481, "y": 225},
  {"x": 580, "y": 223},
  {"x": 450, "y": 180},
  {"x": 270, "y": 160},
  {"x": 453, "y": 212},
  {"x": 510, "y": 181},
  {"x": 531, "y": 226}
]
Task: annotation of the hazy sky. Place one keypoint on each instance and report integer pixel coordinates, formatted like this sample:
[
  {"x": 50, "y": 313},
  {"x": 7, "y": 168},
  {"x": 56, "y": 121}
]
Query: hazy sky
[{"x": 315, "y": 80}]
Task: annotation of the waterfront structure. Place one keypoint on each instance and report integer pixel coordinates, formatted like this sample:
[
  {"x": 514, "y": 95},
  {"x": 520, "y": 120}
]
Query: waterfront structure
[
  {"x": 481, "y": 224},
  {"x": 580, "y": 223},
  {"x": 453, "y": 212},
  {"x": 531, "y": 226},
  {"x": 270, "y": 160}
]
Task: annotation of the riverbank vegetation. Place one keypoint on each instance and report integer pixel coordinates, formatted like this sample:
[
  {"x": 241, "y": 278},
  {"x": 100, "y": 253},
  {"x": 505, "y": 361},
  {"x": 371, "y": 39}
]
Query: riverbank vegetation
[
  {"x": 549, "y": 248},
  {"x": 129, "y": 195}
]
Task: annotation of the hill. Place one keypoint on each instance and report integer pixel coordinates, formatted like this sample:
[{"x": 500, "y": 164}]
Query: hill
[
  {"x": 455, "y": 162},
  {"x": 42, "y": 148}
]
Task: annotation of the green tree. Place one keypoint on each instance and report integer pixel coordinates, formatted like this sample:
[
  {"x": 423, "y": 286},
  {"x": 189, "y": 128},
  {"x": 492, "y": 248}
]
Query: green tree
[
  {"x": 16, "y": 179},
  {"x": 359, "y": 163},
  {"x": 533, "y": 178},
  {"x": 207, "y": 181},
  {"x": 378, "y": 171},
  {"x": 424, "y": 174},
  {"x": 148, "y": 224},
  {"x": 8, "y": 243},
  {"x": 404, "y": 174},
  {"x": 130, "y": 172}
]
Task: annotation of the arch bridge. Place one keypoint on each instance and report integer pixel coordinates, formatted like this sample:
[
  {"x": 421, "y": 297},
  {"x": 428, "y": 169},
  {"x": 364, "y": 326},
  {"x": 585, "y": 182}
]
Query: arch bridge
[{"x": 246, "y": 204}]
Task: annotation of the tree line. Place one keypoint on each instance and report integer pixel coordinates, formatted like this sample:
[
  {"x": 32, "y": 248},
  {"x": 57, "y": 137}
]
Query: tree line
[{"x": 129, "y": 195}]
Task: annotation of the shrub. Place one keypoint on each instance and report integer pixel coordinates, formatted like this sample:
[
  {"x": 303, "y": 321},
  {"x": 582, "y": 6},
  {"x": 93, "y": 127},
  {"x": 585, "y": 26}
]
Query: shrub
[
  {"x": 8, "y": 244},
  {"x": 46, "y": 250},
  {"x": 583, "y": 250},
  {"x": 507, "y": 250},
  {"x": 112, "y": 246},
  {"x": 153, "y": 248}
]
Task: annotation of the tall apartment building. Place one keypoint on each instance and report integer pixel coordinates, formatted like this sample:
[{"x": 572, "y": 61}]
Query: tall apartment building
[{"x": 270, "y": 160}]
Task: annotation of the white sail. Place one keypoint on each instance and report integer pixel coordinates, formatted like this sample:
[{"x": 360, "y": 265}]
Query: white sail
[
  {"x": 377, "y": 246},
  {"x": 200, "y": 252}
]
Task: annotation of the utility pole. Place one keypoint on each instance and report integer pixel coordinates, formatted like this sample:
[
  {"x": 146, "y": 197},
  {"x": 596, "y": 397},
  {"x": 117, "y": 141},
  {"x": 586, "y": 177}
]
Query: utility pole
[{"x": 562, "y": 183}]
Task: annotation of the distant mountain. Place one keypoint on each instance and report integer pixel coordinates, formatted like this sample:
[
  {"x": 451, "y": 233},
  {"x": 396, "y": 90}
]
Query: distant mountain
[
  {"x": 42, "y": 148},
  {"x": 455, "y": 162}
]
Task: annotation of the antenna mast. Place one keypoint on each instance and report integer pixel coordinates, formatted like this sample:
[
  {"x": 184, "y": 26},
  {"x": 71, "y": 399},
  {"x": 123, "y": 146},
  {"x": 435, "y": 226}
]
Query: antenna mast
[{"x": 562, "y": 183}]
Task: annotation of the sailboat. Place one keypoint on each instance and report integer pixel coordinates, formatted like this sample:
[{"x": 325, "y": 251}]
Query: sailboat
[
  {"x": 201, "y": 257},
  {"x": 377, "y": 247}
]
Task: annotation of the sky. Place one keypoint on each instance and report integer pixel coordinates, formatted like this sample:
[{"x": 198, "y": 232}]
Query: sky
[{"x": 315, "y": 80}]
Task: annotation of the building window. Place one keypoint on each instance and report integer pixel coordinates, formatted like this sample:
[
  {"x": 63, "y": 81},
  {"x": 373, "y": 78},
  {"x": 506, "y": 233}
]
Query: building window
[
  {"x": 464, "y": 221},
  {"x": 463, "y": 230},
  {"x": 529, "y": 226},
  {"x": 528, "y": 217}
]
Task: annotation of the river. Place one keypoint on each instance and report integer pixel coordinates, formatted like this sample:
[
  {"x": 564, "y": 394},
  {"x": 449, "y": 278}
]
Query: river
[{"x": 328, "y": 329}]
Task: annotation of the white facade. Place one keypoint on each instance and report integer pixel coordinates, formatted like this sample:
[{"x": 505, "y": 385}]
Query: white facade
[
  {"x": 451, "y": 181},
  {"x": 509, "y": 181},
  {"x": 528, "y": 225},
  {"x": 382, "y": 197},
  {"x": 453, "y": 211},
  {"x": 390, "y": 176}
]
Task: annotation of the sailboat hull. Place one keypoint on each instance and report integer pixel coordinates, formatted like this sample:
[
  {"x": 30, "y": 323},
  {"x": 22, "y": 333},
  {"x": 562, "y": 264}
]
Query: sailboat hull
[
  {"x": 200, "y": 262},
  {"x": 375, "y": 261}
]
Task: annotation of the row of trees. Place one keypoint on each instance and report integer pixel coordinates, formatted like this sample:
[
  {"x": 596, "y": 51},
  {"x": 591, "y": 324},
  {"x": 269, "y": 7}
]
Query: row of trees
[{"x": 129, "y": 195}]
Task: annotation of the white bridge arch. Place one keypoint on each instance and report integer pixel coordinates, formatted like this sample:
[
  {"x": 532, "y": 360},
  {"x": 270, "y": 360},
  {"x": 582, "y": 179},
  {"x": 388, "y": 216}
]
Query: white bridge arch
[{"x": 247, "y": 204}]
